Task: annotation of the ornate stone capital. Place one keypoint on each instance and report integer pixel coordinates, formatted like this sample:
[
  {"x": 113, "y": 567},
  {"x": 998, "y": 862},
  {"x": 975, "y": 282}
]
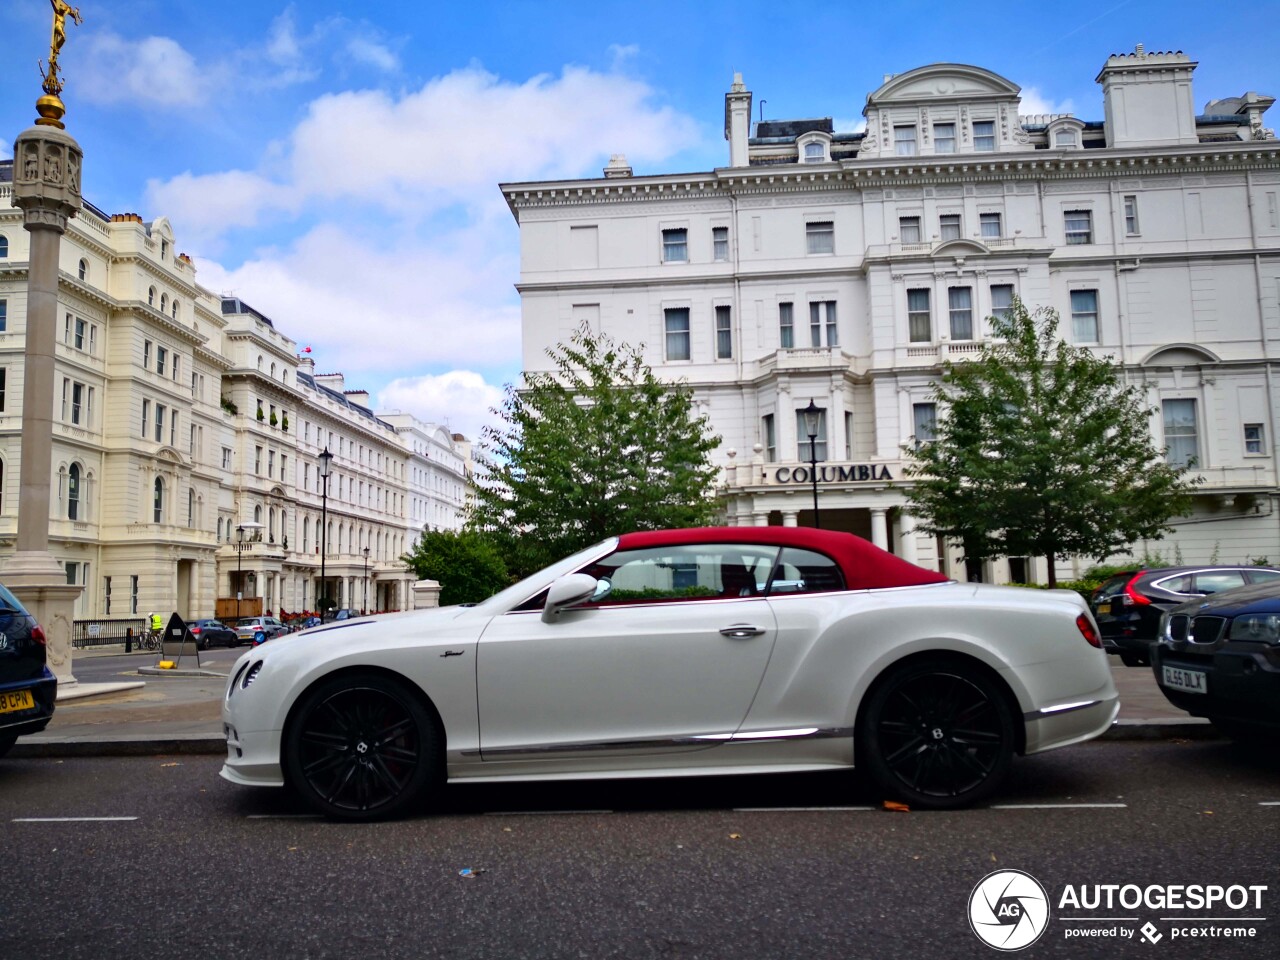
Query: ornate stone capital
[{"x": 46, "y": 177}]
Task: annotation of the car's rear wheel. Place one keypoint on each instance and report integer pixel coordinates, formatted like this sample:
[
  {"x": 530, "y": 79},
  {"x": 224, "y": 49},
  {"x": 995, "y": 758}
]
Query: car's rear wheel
[
  {"x": 362, "y": 747},
  {"x": 937, "y": 734}
]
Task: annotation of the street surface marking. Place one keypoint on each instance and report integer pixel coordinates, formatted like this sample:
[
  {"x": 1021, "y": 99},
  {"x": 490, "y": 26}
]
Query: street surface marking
[
  {"x": 538, "y": 813},
  {"x": 1269, "y": 803},
  {"x": 283, "y": 816},
  {"x": 798, "y": 809},
  {"x": 1057, "y": 806},
  {"x": 69, "y": 819}
]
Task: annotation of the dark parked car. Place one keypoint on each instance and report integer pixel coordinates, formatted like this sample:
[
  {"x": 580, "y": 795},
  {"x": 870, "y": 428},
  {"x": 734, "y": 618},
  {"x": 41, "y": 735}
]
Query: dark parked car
[
  {"x": 27, "y": 687},
  {"x": 1128, "y": 606},
  {"x": 212, "y": 633},
  {"x": 345, "y": 613},
  {"x": 1219, "y": 657}
]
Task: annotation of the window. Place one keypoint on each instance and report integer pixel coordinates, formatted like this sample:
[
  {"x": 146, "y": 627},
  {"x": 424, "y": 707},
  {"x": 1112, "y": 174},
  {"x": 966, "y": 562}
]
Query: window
[
  {"x": 4, "y": 246},
  {"x": 191, "y": 506},
  {"x": 73, "y": 492},
  {"x": 146, "y": 417},
  {"x": 164, "y": 248},
  {"x": 682, "y": 573},
  {"x": 909, "y": 229},
  {"x": 944, "y": 138},
  {"x": 925, "y": 419},
  {"x": 677, "y": 330},
  {"x": 1064, "y": 138},
  {"x": 1001, "y": 299},
  {"x": 146, "y": 354},
  {"x": 162, "y": 357},
  {"x": 1131, "y": 216},
  {"x": 177, "y": 363},
  {"x": 822, "y": 314},
  {"x": 81, "y": 332},
  {"x": 1084, "y": 316},
  {"x": 106, "y": 596},
  {"x": 949, "y": 226},
  {"x": 820, "y": 237},
  {"x": 157, "y": 501},
  {"x": 84, "y": 269},
  {"x": 814, "y": 152},
  {"x": 984, "y": 135},
  {"x": 159, "y": 423},
  {"x": 990, "y": 225},
  {"x": 226, "y": 458},
  {"x": 4, "y": 376},
  {"x": 769, "y": 429},
  {"x": 904, "y": 141},
  {"x": 4, "y": 315},
  {"x": 1180, "y": 433},
  {"x": 675, "y": 246},
  {"x": 75, "y": 402},
  {"x": 1079, "y": 226},
  {"x": 802, "y": 436},
  {"x": 805, "y": 571},
  {"x": 271, "y": 463},
  {"x": 164, "y": 303},
  {"x": 151, "y": 296},
  {"x": 1253, "y": 436},
  {"x": 960, "y": 302},
  {"x": 257, "y": 461},
  {"x": 919, "y": 321},
  {"x": 720, "y": 243},
  {"x": 724, "y": 334},
  {"x": 786, "y": 326},
  {"x": 133, "y": 594}
]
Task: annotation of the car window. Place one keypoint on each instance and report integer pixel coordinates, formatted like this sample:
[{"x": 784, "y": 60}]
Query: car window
[
  {"x": 1112, "y": 586},
  {"x": 804, "y": 571},
  {"x": 1219, "y": 580},
  {"x": 1263, "y": 576},
  {"x": 1180, "y": 584},
  {"x": 683, "y": 572}
]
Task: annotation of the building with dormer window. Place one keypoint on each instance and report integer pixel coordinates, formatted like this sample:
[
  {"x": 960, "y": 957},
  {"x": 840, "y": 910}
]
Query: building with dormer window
[{"x": 844, "y": 268}]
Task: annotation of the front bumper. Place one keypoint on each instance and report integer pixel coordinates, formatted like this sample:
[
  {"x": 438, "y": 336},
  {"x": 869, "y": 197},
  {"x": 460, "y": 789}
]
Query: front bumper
[
  {"x": 44, "y": 691},
  {"x": 1242, "y": 680}
]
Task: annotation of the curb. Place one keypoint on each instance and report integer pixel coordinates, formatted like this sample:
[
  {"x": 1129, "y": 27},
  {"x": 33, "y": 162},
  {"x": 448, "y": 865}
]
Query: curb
[
  {"x": 179, "y": 672},
  {"x": 211, "y": 744}
]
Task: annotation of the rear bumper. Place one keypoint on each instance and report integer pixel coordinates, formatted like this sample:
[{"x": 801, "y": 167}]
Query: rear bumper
[{"x": 44, "y": 691}]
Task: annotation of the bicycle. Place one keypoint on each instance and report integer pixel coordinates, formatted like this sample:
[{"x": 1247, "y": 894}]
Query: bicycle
[{"x": 149, "y": 640}]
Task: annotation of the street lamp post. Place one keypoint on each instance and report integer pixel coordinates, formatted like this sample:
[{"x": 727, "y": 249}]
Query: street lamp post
[
  {"x": 326, "y": 461},
  {"x": 239, "y": 557},
  {"x": 812, "y": 414},
  {"x": 366, "y": 578}
]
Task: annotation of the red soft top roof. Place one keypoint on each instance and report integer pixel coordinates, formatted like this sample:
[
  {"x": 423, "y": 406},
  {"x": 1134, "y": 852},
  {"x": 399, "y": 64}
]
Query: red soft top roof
[{"x": 865, "y": 566}]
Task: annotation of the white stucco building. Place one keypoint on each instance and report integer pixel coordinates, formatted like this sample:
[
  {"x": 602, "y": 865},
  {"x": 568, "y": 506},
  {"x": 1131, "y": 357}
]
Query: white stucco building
[
  {"x": 181, "y": 416},
  {"x": 845, "y": 268}
]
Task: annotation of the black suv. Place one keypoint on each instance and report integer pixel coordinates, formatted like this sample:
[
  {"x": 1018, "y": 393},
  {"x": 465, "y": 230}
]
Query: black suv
[
  {"x": 1219, "y": 657},
  {"x": 27, "y": 688},
  {"x": 1128, "y": 606}
]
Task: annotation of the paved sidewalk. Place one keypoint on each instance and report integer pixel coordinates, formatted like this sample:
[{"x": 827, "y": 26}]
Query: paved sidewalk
[{"x": 181, "y": 713}]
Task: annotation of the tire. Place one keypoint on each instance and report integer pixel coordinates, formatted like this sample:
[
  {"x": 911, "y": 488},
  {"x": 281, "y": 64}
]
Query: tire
[
  {"x": 7, "y": 740},
  {"x": 361, "y": 747},
  {"x": 1134, "y": 659},
  {"x": 936, "y": 734},
  {"x": 1241, "y": 731}
]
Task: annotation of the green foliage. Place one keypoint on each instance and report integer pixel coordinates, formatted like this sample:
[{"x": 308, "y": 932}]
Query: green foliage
[
  {"x": 274, "y": 421},
  {"x": 597, "y": 447},
  {"x": 228, "y": 406},
  {"x": 468, "y": 565},
  {"x": 1042, "y": 450},
  {"x": 653, "y": 593}
]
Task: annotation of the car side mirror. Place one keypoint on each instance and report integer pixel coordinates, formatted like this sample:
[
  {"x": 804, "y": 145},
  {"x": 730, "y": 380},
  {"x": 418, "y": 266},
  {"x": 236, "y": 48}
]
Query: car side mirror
[{"x": 565, "y": 592}]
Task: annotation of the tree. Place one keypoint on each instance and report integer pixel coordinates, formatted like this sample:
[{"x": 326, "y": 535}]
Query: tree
[
  {"x": 1040, "y": 449},
  {"x": 597, "y": 446},
  {"x": 468, "y": 565}
]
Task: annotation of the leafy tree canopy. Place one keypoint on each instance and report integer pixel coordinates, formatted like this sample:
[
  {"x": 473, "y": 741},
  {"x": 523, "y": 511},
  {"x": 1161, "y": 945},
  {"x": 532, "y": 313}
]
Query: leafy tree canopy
[
  {"x": 596, "y": 447},
  {"x": 468, "y": 565},
  {"x": 1040, "y": 449}
]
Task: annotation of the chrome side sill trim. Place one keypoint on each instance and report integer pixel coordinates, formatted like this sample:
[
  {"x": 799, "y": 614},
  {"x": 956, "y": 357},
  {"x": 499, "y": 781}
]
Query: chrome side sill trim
[
  {"x": 696, "y": 740},
  {"x": 1060, "y": 708}
]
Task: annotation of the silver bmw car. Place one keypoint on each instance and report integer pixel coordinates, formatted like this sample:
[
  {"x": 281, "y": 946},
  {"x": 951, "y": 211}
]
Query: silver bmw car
[{"x": 705, "y": 651}]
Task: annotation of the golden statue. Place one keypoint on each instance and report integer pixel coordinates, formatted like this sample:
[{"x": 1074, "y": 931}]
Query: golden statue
[{"x": 49, "y": 106}]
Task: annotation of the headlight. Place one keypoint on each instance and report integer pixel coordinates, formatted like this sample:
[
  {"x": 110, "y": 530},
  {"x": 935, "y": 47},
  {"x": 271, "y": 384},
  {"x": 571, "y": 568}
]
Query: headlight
[{"x": 1258, "y": 627}]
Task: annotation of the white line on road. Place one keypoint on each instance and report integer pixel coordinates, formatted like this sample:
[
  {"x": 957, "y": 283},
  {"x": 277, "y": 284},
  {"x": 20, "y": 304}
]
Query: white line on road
[
  {"x": 1056, "y": 806},
  {"x": 798, "y": 809},
  {"x": 69, "y": 819},
  {"x": 538, "y": 813},
  {"x": 283, "y": 816},
  {"x": 1269, "y": 803}
]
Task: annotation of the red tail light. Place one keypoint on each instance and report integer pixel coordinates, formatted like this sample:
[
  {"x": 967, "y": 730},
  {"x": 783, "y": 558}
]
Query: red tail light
[
  {"x": 1085, "y": 626},
  {"x": 1133, "y": 595},
  {"x": 195, "y": 630},
  {"x": 37, "y": 634}
]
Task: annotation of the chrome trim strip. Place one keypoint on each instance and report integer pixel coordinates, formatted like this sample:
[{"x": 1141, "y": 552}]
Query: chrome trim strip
[
  {"x": 699, "y": 740},
  {"x": 1060, "y": 708}
]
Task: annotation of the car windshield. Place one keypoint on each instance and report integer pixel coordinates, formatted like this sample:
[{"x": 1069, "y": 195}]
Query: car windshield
[{"x": 532, "y": 584}]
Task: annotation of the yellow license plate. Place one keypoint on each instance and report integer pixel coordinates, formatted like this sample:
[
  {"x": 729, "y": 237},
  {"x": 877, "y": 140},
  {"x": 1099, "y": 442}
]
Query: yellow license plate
[{"x": 16, "y": 700}]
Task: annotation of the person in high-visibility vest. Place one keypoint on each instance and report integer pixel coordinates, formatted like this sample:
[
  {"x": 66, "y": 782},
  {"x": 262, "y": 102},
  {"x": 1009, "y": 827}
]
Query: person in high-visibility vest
[{"x": 157, "y": 622}]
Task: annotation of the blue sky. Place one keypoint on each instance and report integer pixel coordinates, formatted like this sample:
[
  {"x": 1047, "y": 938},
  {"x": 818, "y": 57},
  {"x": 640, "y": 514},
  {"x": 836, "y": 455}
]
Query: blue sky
[{"x": 335, "y": 164}]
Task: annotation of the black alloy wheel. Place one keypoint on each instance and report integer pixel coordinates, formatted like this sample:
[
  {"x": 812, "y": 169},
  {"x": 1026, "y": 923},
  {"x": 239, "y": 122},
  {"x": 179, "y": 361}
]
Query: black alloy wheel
[
  {"x": 937, "y": 734},
  {"x": 361, "y": 748}
]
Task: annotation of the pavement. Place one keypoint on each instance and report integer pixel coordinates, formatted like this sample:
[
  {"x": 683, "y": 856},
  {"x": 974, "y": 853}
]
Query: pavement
[{"x": 125, "y": 705}]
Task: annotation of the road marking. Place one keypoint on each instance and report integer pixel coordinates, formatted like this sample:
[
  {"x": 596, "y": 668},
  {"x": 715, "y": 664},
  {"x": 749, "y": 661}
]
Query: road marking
[
  {"x": 1056, "y": 806},
  {"x": 799, "y": 809},
  {"x": 1269, "y": 803},
  {"x": 283, "y": 816},
  {"x": 69, "y": 819},
  {"x": 538, "y": 813}
]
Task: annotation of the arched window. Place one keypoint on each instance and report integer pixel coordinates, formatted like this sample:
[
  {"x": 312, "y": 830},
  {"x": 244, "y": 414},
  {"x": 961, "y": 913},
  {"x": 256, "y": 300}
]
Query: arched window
[
  {"x": 219, "y": 529},
  {"x": 1, "y": 486},
  {"x": 257, "y": 515},
  {"x": 273, "y": 371},
  {"x": 306, "y": 534},
  {"x": 271, "y": 524},
  {"x": 259, "y": 361},
  {"x": 151, "y": 296},
  {"x": 84, "y": 269},
  {"x": 173, "y": 311},
  {"x": 191, "y": 506},
  {"x": 73, "y": 492},
  {"x": 164, "y": 302},
  {"x": 4, "y": 245},
  {"x": 157, "y": 505}
]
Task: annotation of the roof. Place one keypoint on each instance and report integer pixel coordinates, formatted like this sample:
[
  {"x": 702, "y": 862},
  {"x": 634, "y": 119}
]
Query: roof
[
  {"x": 790, "y": 129},
  {"x": 865, "y": 566}
]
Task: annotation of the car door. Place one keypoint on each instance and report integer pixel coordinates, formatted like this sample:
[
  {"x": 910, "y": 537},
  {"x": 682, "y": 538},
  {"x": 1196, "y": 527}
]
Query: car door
[{"x": 673, "y": 648}]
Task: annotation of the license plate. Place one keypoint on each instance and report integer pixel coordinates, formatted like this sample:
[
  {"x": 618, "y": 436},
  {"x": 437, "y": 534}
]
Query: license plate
[
  {"x": 15, "y": 700},
  {"x": 1190, "y": 681}
]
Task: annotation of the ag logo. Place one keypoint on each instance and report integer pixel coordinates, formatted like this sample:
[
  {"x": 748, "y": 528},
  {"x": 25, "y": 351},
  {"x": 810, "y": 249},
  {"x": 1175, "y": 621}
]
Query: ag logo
[{"x": 1008, "y": 910}]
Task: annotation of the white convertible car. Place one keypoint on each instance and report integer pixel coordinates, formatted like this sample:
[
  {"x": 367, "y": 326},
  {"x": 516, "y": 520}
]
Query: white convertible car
[{"x": 682, "y": 652}]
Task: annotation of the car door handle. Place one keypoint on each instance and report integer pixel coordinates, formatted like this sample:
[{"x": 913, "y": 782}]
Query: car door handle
[{"x": 742, "y": 631}]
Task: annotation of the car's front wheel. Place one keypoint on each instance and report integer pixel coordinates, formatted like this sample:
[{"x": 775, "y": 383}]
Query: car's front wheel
[
  {"x": 361, "y": 747},
  {"x": 937, "y": 734}
]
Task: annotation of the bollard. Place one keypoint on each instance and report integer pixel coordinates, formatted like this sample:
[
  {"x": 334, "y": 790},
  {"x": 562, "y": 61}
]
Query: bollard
[{"x": 128, "y": 639}]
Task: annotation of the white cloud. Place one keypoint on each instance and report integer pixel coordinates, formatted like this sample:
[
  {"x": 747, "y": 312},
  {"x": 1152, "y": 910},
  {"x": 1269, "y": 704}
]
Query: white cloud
[
  {"x": 459, "y": 399},
  {"x": 1034, "y": 103},
  {"x": 202, "y": 208},
  {"x": 152, "y": 71},
  {"x": 857, "y": 125},
  {"x": 365, "y": 50}
]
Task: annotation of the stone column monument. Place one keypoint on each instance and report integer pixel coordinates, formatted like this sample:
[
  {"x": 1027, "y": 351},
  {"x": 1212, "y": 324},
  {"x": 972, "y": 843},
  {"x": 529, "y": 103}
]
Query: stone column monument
[{"x": 46, "y": 186}]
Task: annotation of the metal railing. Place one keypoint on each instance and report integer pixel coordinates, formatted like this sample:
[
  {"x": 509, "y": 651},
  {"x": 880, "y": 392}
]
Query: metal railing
[{"x": 99, "y": 633}]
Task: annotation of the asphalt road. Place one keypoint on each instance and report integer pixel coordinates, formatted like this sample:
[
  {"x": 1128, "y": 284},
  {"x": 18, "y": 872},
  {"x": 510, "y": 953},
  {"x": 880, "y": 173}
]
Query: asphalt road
[{"x": 640, "y": 869}]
